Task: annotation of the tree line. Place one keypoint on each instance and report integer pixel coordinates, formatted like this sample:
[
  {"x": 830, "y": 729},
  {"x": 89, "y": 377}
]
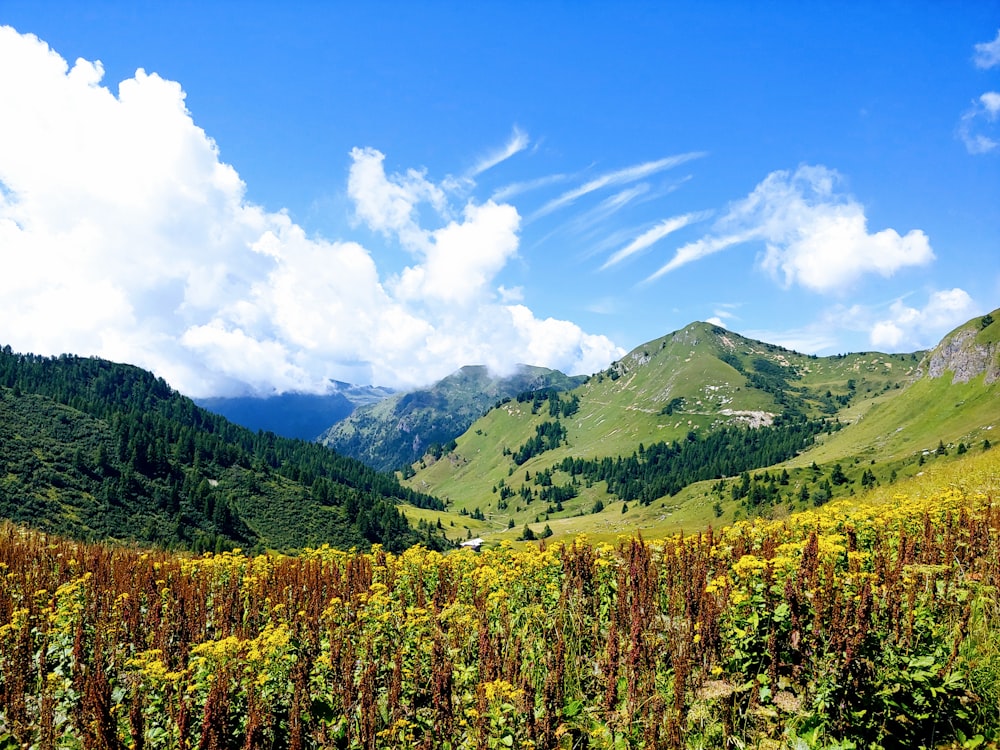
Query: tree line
[
  {"x": 122, "y": 443},
  {"x": 665, "y": 468}
]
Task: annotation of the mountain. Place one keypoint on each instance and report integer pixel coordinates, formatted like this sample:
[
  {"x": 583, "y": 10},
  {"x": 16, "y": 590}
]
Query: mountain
[
  {"x": 953, "y": 401},
  {"x": 684, "y": 431},
  {"x": 398, "y": 430},
  {"x": 97, "y": 450},
  {"x": 296, "y": 415}
]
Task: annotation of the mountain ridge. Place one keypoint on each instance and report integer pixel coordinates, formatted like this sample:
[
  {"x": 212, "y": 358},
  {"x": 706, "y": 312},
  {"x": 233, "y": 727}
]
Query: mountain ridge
[
  {"x": 397, "y": 430},
  {"x": 883, "y": 412}
]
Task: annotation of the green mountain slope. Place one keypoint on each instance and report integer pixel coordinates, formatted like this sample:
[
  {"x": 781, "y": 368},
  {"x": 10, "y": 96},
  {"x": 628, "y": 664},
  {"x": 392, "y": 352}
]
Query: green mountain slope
[
  {"x": 953, "y": 401},
  {"x": 398, "y": 430},
  {"x": 96, "y": 450},
  {"x": 698, "y": 385}
]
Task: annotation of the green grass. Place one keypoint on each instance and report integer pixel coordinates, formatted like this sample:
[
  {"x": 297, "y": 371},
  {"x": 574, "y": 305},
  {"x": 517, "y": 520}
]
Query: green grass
[
  {"x": 891, "y": 416},
  {"x": 931, "y": 411}
]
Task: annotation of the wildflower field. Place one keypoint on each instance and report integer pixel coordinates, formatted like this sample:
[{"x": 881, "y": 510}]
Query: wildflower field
[{"x": 865, "y": 623}]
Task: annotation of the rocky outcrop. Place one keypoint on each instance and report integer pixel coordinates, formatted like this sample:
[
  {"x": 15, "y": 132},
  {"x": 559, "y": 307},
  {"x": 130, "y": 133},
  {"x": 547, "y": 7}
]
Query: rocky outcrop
[{"x": 964, "y": 357}]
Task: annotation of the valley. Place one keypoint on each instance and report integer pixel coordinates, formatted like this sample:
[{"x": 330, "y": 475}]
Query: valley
[{"x": 883, "y": 415}]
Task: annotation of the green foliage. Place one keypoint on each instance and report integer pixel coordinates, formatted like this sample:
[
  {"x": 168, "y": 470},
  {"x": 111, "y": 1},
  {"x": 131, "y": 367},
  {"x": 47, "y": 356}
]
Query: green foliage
[
  {"x": 665, "y": 468},
  {"x": 94, "y": 449},
  {"x": 548, "y": 436}
]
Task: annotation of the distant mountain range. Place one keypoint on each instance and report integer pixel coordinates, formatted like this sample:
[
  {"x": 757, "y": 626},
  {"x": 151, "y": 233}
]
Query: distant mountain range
[
  {"x": 296, "y": 415},
  {"x": 396, "y": 431}
]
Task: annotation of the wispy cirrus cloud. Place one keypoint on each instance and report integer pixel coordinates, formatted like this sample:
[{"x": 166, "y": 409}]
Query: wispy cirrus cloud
[
  {"x": 517, "y": 188},
  {"x": 597, "y": 217},
  {"x": 699, "y": 249},
  {"x": 618, "y": 177},
  {"x": 653, "y": 235},
  {"x": 815, "y": 235},
  {"x": 595, "y": 220},
  {"x": 977, "y": 127},
  {"x": 517, "y": 142},
  {"x": 987, "y": 54}
]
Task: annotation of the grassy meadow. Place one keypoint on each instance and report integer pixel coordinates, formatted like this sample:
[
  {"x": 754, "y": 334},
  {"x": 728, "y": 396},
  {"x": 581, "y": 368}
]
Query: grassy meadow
[{"x": 871, "y": 621}]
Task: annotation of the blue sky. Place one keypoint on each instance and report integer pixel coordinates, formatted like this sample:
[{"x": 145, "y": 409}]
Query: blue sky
[{"x": 247, "y": 197}]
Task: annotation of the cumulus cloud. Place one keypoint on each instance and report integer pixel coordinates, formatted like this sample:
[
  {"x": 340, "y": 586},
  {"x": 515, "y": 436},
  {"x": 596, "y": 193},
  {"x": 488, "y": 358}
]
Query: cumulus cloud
[
  {"x": 987, "y": 54},
  {"x": 124, "y": 235},
  {"x": 462, "y": 258},
  {"x": 814, "y": 235},
  {"x": 911, "y": 327}
]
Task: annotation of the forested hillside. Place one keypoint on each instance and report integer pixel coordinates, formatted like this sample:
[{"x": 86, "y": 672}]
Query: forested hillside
[
  {"x": 94, "y": 449},
  {"x": 398, "y": 430}
]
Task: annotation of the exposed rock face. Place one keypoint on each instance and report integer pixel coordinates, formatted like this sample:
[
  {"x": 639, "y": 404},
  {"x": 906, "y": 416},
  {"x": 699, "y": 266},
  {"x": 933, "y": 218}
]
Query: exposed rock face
[{"x": 961, "y": 355}]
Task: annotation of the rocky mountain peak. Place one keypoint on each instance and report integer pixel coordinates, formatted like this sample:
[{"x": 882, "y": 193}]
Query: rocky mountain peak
[{"x": 969, "y": 352}]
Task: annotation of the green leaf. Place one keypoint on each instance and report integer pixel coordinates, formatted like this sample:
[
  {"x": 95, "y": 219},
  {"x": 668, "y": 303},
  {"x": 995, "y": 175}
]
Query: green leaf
[{"x": 322, "y": 711}]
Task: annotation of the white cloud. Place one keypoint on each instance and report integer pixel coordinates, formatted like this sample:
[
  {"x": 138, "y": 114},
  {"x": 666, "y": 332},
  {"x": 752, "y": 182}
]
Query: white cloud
[
  {"x": 461, "y": 259},
  {"x": 517, "y": 188},
  {"x": 812, "y": 338},
  {"x": 598, "y": 216},
  {"x": 716, "y": 321},
  {"x": 123, "y": 235},
  {"x": 977, "y": 128},
  {"x": 991, "y": 104},
  {"x": 896, "y": 327},
  {"x": 814, "y": 236},
  {"x": 561, "y": 341},
  {"x": 909, "y": 327},
  {"x": 619, "y": 177},
  {"x": 987, "y": 54},
  {"x": 699, "y": 249},
  {"x": 514, "y": 294},
  {"x": 518, "y": 142},
  {"x": 652, "y": 236},
  {"x": 389, "y": 205}
]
